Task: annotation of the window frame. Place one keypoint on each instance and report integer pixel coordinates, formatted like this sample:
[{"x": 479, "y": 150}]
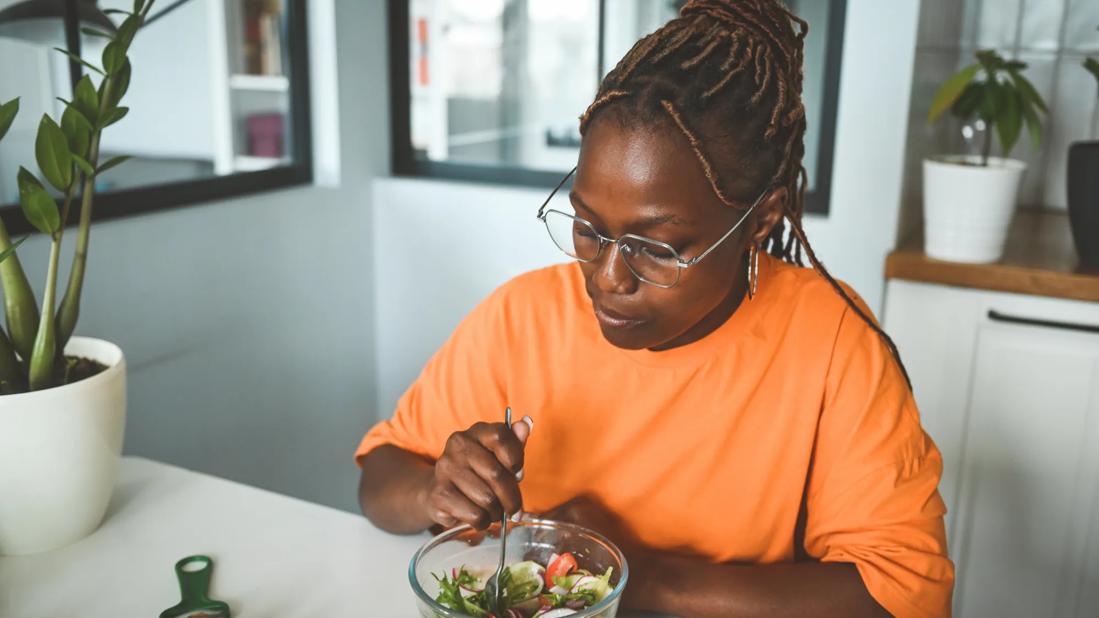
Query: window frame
[
  {"x": 405, "y": 163},
  {"x": 197, "y": 191}
]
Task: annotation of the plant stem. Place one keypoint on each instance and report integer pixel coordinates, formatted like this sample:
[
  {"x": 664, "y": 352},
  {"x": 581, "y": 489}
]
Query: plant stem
[
  {"x": 11, "y": 372},
  {"x": 45, "y": 343},
  {"x": 20, "y": 305},
  {"x": 986, "y": 148},
  {"x": 69, "y": 311}
]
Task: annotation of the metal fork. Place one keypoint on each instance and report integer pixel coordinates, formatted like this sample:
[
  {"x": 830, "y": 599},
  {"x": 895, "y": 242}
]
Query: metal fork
[{"x": 492, "y": 586}]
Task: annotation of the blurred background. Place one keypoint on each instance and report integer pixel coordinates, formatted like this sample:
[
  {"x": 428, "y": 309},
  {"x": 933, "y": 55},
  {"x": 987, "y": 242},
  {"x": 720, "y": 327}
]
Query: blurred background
[{"x": 321, "y": 190}]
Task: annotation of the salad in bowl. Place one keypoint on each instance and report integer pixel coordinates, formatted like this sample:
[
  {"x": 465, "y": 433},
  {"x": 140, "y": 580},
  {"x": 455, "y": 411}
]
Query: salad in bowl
[{"x": 553, "y": 570}]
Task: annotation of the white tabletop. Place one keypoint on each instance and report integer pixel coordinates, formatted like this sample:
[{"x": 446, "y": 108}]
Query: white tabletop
[{"x": 274, "y": 556}]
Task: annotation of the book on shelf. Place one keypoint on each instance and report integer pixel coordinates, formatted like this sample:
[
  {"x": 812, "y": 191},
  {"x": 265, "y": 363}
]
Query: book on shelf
[{"x": 263, "y": 37}]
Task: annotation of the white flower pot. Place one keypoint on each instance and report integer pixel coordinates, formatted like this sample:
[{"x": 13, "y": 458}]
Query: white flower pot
[
  {"x": 59, "y": 451},
  {"x": 967, "y": 208}
]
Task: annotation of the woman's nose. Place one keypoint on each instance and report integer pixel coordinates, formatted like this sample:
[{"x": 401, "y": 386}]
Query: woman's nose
[{"x": 612, "y": 275}]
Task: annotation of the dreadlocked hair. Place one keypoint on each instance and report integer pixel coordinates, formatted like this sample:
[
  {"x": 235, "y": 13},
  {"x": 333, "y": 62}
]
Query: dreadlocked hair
[{"x": 728, "y": 75}]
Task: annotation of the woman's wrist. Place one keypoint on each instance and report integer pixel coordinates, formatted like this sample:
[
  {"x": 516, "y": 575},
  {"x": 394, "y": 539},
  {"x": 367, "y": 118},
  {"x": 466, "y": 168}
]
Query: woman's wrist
[
  {"x": 420, "y": 498},
  {"x": 645, "y": 588}
]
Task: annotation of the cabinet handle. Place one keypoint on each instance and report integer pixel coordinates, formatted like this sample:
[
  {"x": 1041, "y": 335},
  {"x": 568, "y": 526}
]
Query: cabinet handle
[{"x": 996, "y": 316}]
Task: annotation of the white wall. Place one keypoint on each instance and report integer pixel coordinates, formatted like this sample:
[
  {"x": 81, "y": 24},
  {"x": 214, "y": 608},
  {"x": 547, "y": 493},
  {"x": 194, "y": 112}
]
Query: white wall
[
  {"x": 247, "y": 322},
  {"x": 429, "y": 271}
]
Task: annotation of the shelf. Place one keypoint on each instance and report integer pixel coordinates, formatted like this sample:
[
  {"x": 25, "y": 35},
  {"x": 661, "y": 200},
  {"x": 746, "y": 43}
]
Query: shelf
[
  {"x": 1039, "y": 259},
  {"x": 246, "y": 163},
  {"x": 264, "y": 83}
]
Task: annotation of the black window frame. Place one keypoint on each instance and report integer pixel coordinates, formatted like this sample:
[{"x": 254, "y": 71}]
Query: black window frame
[
  {"x": 140, "y": 200},
  {"x": 406, "y": 164}
]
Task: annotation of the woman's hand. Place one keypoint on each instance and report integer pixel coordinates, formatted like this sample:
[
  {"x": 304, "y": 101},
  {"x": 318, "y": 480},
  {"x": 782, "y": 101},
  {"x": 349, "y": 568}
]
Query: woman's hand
[
  {"x": 592, "y": 514},
  {"x": 474, "y": 480}
]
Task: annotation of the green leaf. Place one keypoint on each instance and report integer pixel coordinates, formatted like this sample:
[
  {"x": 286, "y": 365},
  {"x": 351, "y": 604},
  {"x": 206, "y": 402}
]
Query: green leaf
[
  {"x": 127, "y": 30},
  {"x": 113, "y": 163},
  {"x": 6, "y": 253},
  {"x": 93, "y": 32},
  {"x": 1028, "y": 90},
  {"x": 114, "y": 57},
  {"x": 77, "y": 129},
  {"x": 967, "y": 104},
  {"x": 87, "y": 99},
  {"x": 1091, "y": 64},
  {"x": 1015, "y": 65},
  {"x": 991, "y": 102},
  {"x": 950, "y": 91},
  {"x": 84, "y": 166},
  {"x": 80, "y": 60},
  {"x": 38, "y": 206},
  {"x": 1033, "y": 124},
  {"x": 121, "y": 84},
  {"x": 991, "y": 60},
  {"x": 1011, "y": 120},
  {"x": 7, "y": 115},
  {"x": 51, "y": 150},
  {"x": 113, "y": 116},
  {"x": 116, "y": 12}
]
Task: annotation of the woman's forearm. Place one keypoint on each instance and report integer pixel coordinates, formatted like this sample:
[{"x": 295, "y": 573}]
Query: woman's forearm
[
  {"x": 697, "y": 589},
  {"x": 393, "y": 490}
]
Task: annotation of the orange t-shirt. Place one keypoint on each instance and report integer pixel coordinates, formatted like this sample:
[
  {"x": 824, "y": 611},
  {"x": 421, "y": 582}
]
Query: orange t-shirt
[{"x": 708, "y": 448}]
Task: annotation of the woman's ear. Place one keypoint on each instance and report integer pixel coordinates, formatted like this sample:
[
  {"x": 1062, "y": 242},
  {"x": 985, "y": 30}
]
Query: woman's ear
[{"x": 768, "y": 213}]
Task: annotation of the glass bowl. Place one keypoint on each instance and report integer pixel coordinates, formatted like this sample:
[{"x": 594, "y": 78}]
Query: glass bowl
[{"x": 528, "y": 539}]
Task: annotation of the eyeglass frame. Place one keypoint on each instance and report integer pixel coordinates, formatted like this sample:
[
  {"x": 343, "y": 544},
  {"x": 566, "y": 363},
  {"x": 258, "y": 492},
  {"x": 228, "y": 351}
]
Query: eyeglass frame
[{"x": 606, "y": 240}]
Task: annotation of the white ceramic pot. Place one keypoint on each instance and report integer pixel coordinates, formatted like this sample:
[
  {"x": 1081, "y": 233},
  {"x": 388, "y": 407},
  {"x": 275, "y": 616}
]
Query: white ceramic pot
[
  {"x": 59, "y": 451},
  {"x": 967, "y": 208}
]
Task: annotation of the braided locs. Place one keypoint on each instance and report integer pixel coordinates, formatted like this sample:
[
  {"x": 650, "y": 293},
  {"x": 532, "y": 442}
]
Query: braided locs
[{"x": 728, "y": 74}]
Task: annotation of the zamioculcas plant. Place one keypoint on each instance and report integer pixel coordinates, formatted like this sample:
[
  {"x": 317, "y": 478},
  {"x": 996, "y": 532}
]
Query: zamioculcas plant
[
  {"x": 994, "y": 90},
  {"x": 67, "y": 153}
]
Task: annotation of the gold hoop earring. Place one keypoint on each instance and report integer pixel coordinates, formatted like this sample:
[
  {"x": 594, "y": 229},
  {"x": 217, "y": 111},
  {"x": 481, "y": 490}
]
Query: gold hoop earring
[{"x": 753, "y": 271}]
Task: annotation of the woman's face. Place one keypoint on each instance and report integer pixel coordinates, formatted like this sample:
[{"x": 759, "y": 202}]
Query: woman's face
[{"x": 650, "y": 183}]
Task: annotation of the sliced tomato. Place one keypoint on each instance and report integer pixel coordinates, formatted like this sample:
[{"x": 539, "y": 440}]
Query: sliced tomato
[{"x": 560, "y": 566}]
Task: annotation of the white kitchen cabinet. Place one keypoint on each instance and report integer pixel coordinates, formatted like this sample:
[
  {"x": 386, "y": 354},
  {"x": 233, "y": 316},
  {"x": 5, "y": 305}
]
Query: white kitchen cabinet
[{"x": 1008, "y": 387}]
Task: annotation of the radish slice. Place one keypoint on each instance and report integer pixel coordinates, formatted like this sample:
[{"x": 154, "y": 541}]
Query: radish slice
[
  {"x": 560, "y": 612},
  {"x": 596, "y": 584}
]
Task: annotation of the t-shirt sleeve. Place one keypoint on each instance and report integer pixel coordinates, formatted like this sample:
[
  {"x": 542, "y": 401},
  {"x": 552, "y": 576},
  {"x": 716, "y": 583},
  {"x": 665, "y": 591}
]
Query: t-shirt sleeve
[
  {"x": 872, "y": 497},
  {"x": 462, "y": 384}
]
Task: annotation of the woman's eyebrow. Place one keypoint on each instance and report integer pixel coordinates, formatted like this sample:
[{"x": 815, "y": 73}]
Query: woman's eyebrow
[{"x": 642, "y": 222}]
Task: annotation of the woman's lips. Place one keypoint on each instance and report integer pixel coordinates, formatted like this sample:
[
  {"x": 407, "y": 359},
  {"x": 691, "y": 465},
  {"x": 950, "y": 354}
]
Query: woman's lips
[{"x": 613, "y": 319}]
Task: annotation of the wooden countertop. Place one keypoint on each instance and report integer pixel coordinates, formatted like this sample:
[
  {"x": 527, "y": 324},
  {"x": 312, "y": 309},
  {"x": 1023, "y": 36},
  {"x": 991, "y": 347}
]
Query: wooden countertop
[{"x": 1039, "y": 259}]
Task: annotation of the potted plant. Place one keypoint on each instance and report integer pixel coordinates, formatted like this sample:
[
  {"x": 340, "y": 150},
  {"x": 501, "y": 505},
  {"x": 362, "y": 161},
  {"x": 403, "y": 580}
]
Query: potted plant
[
  {"x": 1083, "y": 187},
  {"x": 969, "y": 199},
  {"x": 62, "y": 398}
]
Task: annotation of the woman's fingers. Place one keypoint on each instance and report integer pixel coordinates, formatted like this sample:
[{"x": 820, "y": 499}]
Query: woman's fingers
[
  {"x": 478, "y": 492},
  {"x": 452, "y": 505},
  {"x": 475, "y": 478},
  {"x": 499, "y": 479}
]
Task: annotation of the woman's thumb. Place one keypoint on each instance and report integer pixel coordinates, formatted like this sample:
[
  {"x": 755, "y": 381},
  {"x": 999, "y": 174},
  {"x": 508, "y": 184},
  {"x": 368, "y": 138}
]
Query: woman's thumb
[{"x": 523, "y": 428}]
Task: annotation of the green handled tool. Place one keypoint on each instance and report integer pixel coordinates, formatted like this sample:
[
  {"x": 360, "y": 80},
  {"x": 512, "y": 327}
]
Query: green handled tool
[{"x": 194, "y": 573}]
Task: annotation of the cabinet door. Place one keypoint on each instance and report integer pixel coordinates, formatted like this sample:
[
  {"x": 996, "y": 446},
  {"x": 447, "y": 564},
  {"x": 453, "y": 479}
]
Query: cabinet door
[{"x": 1025, "y": 533}]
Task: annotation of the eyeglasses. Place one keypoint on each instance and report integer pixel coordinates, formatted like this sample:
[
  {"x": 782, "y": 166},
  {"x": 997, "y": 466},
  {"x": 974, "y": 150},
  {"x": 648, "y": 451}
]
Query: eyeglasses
[{"x": 654, "y": 262}]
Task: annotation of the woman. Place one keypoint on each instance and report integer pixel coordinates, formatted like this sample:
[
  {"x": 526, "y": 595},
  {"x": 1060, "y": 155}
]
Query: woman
[{"x": 739, "y": 425}]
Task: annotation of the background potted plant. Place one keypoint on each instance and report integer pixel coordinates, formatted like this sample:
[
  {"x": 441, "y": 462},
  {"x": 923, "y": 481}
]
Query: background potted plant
[
  {"x": 969, "y": 199},
  {"x": 62, "y": 398},
  {"x": 1083, "y": 187}
]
